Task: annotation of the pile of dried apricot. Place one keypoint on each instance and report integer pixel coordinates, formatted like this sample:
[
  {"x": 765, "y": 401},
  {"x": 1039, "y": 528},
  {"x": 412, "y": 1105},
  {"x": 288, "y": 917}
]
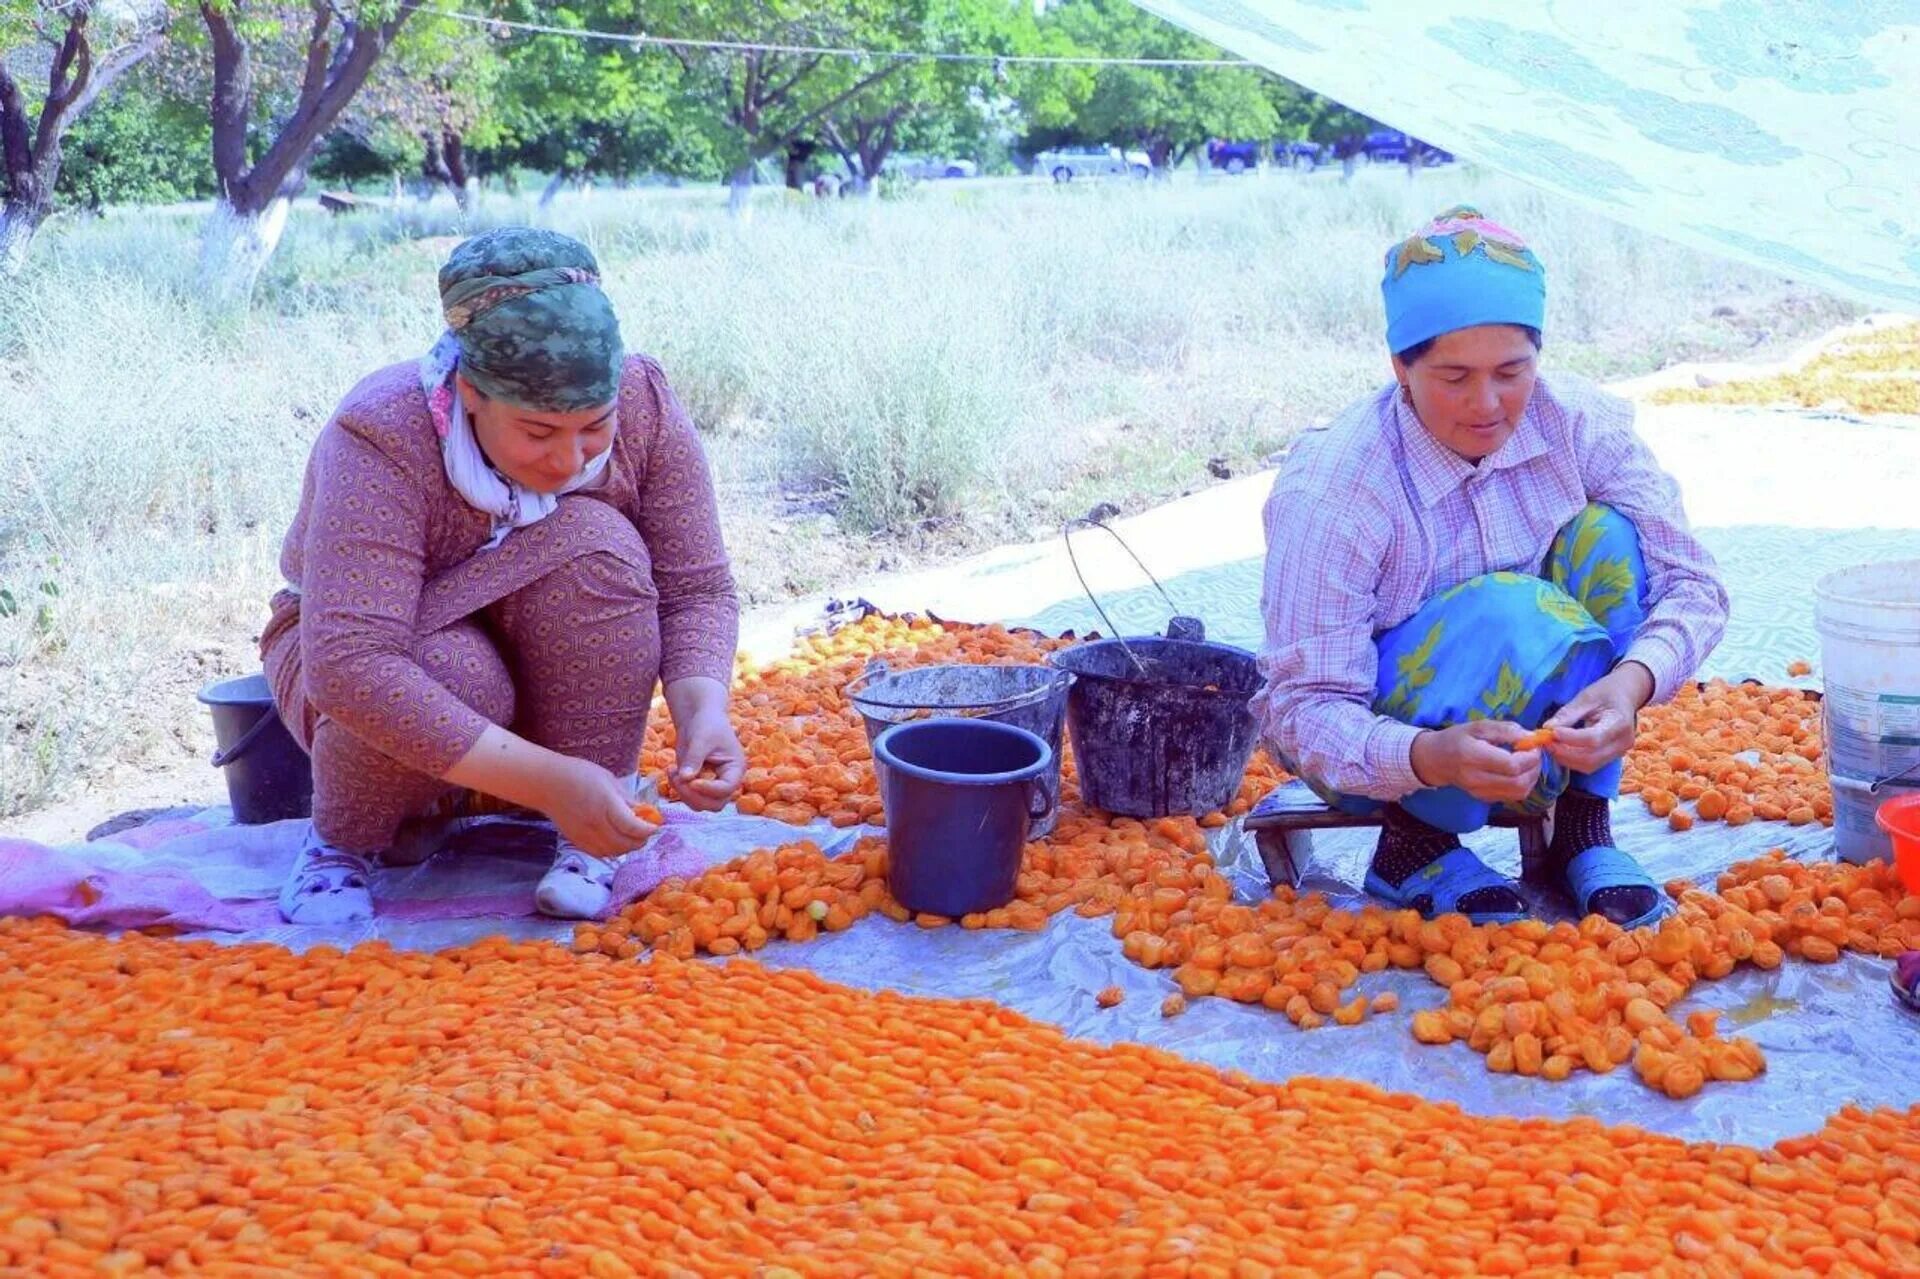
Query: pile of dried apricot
[
  {"x": 807, "y": 751},
  {"x": 1868, "y": 373},
  {"x": 1536, "y": 999},
  {"x": 509, "y": 1109},
  {"x": 796, "y": 892},
  {"x": 1733, "y": 753}
]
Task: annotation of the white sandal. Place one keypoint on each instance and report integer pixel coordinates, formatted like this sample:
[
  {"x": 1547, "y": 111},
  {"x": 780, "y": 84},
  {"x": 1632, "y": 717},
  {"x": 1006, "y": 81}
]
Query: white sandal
[
  {"x": 576, "y": 886},
  {"x": 579, "y": 885},
  {"x": 327, "y": 885}
]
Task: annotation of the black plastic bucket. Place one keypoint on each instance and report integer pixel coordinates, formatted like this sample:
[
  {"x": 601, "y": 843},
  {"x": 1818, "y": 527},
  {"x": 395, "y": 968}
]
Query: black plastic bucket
[
  {"x": 269, "y": 777},
  {"x": 1160, "y": 727},
  {"x": 1029, "y": 697},
  {"x": 959, "y": 795}
]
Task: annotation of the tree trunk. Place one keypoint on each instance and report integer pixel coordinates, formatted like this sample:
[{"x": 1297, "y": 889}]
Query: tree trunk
[
  {"x": 554, "y": 186},
  {"x": 454, "y": 149},
  {"x": 1159, "y": 154},
  {"x": 30, "y": 151},
  {"x": 236, "y": 245},
  {"x": 1348, "y": 163},
  {"x": 18, "y": 223},
  {"x": 797, "y": 155},
  {"x": 433, "y": 167},
  {"x": 740, "y": 192},
  {"x": 255, "y": 192}
]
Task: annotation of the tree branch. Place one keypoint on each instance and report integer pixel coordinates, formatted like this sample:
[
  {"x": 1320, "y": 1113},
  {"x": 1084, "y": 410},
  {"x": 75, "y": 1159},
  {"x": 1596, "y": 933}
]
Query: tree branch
[
  {"x": 62, "y": 78},
  {"x": 749, "y": 79},
  {"x": 313, "y": 77},
  {"x": 16, "y": 152},
  {"x": 774, "y": 97},
  {"x": 232, "y": 100},
  {"x": 827, "y": 108},
  {"x": 838, "y": 142},
  {"x": 118, "y": 63},
  {"x": 314, "y": 116}
]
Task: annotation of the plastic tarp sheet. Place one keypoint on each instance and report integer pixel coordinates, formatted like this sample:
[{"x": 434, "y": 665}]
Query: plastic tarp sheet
[
  {"x": 1782, "y": 134},
  {"x": 1832, "y": 1035}
]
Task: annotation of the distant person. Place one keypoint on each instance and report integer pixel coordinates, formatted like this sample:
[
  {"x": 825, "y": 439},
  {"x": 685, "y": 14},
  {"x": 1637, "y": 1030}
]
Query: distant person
[
  {"x": 1466, "y": 555},
  {"x": 500, "y": 548}
]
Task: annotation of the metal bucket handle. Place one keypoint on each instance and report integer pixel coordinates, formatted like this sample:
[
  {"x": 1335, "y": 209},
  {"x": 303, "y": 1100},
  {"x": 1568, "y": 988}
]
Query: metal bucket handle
[
  {"x": 1900, "y": 776},
  {"x": 221, "y": 758},
  {"x": 1179, "y": 627}
]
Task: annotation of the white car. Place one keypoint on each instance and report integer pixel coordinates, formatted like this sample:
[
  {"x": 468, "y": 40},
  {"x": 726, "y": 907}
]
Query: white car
[
  {"x": 921, "y": 168},
  {"x": 1067, "y": 163}
]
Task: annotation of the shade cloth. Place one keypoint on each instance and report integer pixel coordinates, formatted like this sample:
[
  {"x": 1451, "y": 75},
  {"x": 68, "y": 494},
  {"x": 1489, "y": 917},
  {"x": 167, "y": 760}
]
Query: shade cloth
[{"x": 1787, "y": 135}]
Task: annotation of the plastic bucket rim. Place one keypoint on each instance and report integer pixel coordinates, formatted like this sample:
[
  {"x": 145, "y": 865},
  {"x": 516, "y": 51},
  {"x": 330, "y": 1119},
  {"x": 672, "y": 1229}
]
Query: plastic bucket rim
[
  {"x": 1826, "y": 589},
  {"x": 210, "y": 696},
  {"x": 1133, "y": 679},
  {"x": 1902, "y": 806},
  {"x": 883, "y": 751},
  {"x": 1014, "y": 701}
]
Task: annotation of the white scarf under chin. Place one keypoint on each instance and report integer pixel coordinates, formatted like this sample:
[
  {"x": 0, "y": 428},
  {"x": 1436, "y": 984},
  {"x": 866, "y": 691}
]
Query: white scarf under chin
[{"x": 509, "y": 504}]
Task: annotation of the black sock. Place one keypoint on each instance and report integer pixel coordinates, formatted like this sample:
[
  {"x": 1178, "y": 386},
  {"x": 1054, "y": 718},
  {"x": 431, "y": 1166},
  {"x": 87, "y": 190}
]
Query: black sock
[
  {"x": 1408, "y": 844},
  {"x": 1582, "y": 821}
]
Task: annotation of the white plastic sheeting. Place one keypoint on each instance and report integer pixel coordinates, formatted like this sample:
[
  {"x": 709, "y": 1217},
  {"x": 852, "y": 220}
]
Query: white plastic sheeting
[{"x": 1787, "y": 135}]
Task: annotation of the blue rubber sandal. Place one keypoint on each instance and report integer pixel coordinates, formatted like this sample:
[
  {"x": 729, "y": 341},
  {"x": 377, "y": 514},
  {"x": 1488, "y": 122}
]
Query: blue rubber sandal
[
  {"x": 1603, "y": 867},
  {"x": 1446, "y": 879}
]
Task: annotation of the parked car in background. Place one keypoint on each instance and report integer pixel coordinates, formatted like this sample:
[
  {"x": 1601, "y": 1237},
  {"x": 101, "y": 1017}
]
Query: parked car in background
[
  {"x": 1301, "y": 155},
  {"x": 930, "y": 168},
  {"x": 1234, "y": 157},
  {"x": 1385, "y": 146},
  {"x": 1064, "y": 164},
  {"x": 1390, "y": 146}
]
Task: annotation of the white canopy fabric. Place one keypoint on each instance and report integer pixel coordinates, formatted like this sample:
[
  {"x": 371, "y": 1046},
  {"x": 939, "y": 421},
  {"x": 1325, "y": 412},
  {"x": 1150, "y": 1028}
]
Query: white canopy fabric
[{"x": 1782, "y": 132}]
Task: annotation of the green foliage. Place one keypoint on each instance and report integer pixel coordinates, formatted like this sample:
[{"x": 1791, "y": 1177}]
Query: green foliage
[
  {"x": 520, "y": 102},
  {"x": 591, "y": 107},
  {"x": 139, "y": 146},
  {"x": 1166, "y": 110},
  {"x": 1344, "y": 129},
  {"x": 346, "y": 159}
]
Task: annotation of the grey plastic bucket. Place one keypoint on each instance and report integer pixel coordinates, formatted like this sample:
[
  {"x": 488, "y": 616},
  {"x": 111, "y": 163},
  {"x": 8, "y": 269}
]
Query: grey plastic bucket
[
  {"x": 1029, "y": 697},
  {"x": 960, "y": 797},
  {"x": 1868, "y": 618},
  {"x": 269, "y": 778}
]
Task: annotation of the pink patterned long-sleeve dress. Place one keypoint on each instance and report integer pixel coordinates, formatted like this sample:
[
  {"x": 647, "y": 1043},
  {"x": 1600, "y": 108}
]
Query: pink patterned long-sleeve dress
[{"x": 400, "y": 638}]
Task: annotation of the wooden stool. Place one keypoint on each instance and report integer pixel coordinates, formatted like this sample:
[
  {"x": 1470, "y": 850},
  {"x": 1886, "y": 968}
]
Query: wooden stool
[{"x": 1294, "y": 809}]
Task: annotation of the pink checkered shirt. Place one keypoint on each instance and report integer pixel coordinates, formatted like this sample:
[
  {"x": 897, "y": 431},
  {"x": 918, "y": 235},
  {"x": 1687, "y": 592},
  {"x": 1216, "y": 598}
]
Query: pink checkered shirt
[{"x": 1372, "y": 516}]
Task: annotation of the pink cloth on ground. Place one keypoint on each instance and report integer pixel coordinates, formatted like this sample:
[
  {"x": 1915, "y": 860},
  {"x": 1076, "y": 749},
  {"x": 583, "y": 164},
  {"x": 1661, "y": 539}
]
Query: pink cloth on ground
[{"x": 200, "y": 876}]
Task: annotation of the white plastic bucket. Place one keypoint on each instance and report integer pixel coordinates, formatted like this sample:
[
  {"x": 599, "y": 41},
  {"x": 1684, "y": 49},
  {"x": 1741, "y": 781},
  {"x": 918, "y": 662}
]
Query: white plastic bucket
[{"x": 1869, "y": 623}]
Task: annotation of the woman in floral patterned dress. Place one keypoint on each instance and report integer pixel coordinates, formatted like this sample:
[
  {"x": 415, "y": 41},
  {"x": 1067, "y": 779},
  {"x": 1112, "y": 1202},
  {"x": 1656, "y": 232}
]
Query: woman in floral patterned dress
[{"x": 1473, "y": 553}]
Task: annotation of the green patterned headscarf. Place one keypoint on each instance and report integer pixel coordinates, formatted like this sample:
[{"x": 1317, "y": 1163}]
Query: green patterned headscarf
[{"x": 532, "y": 326}]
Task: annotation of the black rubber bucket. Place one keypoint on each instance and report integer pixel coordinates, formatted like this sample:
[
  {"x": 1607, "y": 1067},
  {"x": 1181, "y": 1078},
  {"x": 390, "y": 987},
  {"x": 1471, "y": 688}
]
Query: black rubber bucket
[
  {"x": 269, "y": 778},
  {"x": 1029, "y": 697},
  {"x": 959, "y": 795},
  {"x": 1160, "y": 727}
]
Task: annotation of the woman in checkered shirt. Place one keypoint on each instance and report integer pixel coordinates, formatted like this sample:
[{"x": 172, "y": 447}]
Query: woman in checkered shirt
[{"x": 1474, "y": 553}]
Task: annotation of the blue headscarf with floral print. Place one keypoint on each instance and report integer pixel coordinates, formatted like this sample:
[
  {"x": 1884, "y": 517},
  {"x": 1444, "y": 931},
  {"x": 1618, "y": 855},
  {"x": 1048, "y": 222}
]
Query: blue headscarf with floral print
[{"x": 1460, "y": 270}]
